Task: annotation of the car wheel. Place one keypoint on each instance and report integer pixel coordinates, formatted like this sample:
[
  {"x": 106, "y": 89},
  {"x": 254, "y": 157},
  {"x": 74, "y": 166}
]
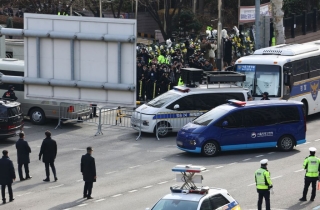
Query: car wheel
[
  {"x": 37, "y": 116},
  {"x": 210, "y": 148},
  {"x": 286, "y": 143},
  {"x": 163, "y": 129}
]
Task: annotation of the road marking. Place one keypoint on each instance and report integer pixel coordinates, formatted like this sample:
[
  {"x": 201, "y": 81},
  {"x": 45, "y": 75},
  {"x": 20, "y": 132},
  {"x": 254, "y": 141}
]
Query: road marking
[
  {"x": 131, "y": 191},
  {"x": 112, "y": 172},
  {"x": 155, "y": 151},
  {"x": 246, "y": 159},
  {"x": 163, "y": 182},
  {"x": 158, "y": 160},
  {"x": 117, "y": 195},
  {"x": 317, "y": 140},
  {"x": 146, "y": 187},
  {"x": 56, "y": 186},
  {"x": 307, "y": 143},
  {"x": 270, "y": 153},
  {"x": 251, "y": 184},
  {"x": 259, "y": 155},
  {"x": 299, "y": 170},
  {"x": 24, "y": 194},
  {"x": 135, "y": 166},
  {"x": 79, "y": 180},
  {"x": 232, "y": 163},
  {"x": 276, "y": 177},
  {"x": 205, "y": 171},
  {"x": 77, "y": 149},
  {"x": 219, "y": 166},
  {"x": 84, "y": 204},
  {"x": 26, "y": 127},
  {"x": 99, "y": 200}
]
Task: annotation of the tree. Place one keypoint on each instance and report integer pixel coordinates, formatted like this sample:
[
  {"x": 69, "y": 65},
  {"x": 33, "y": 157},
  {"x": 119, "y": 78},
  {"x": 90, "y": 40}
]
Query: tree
[
  {"x": 187, "y": 22},
  {"x": 163, "y": 17}
]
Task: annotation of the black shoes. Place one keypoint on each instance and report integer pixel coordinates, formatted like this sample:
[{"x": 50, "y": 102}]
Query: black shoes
[
  {"x": 28, "y": 177},
  {"x": 22, "y": 179},
  {"x": 311, "y": 199},
  {"x": 302, "y": 199},
  {"x": 46, "y": 180},
  {"x": 55, "y": 179},
  {"x": 11, "y": 199},
  {"x": 85, "y": 196},
  {"x": 4, "y": 202},
  {"x": 89, "y": 197}
]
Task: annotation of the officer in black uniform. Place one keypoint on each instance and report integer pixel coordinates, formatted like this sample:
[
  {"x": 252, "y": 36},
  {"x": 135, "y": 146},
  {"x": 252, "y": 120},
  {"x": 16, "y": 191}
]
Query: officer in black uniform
[
  {"x": 10, "y": 95},
  {"x": 265, "y": 96}
]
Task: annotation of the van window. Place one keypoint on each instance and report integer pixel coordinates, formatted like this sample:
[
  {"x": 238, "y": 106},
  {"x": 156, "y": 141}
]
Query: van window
[
  {"x": 14, "y": 111},
  {"x": 218, "y": 201},
  {"x": 260, "y": 117},
  {"x": 163, "y": 99},
  {"x": 288, "y": 114},
  {"x": 234, "y": 120},
  {"x": 185, "y": 103},
  {"x": 208, "y": 117},
  {"x": 3, "y": 111},
  {"x": 206, "y": 205}
]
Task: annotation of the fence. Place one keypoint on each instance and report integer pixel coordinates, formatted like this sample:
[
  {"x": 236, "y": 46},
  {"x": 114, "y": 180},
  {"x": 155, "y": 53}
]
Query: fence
[{"x": 297, "y": 25}]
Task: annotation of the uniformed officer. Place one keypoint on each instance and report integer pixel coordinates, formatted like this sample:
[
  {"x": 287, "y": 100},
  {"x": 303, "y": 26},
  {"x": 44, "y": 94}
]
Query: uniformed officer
[
  {"x": 263, "y": 183},
  {"x": 312, "y": 166}
]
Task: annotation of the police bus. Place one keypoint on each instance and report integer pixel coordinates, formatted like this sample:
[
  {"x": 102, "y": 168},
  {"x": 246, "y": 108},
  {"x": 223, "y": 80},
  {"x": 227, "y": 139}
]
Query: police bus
[{"x": 287, "y": 71}]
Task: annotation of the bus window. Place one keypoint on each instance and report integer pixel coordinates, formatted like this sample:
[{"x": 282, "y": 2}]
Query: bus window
[
  {"x": 300, "y": 70},
  {"x": 315, "y": 66}
]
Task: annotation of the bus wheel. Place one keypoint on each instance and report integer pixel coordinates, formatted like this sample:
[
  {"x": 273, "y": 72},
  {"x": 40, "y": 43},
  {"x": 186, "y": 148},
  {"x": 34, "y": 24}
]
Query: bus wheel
[
  {"x": 163, "y": 129},
  {"x": 37, "y": 116},
  {"x": 286, "y": 143},
  {"x": 210, "y": 148}
]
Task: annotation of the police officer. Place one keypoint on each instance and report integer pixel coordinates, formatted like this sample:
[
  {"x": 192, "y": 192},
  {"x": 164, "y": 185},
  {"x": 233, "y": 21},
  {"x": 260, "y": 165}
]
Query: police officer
[
  {"x": 265, "y": 96},
  {"x": 263, "y": 183},
  {"x": 312, "y": 166},
  {"x": 10, "y": 95}
]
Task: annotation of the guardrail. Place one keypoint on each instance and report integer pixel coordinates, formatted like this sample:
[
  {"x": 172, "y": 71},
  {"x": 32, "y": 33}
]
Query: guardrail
[{"x": 167, "y": 122}]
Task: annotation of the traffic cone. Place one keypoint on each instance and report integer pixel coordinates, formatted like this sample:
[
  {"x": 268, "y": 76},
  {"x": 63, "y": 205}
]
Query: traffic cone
[{"x": 318, "y": 188}]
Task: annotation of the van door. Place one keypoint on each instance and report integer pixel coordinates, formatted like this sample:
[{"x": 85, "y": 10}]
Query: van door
[
  {"x": 261, "y": 125},
  {"x": 232, "y": 132}
]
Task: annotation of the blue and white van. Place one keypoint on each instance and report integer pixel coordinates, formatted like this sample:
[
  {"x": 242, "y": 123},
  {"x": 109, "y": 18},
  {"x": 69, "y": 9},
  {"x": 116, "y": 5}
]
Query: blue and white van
[{"x": 242, "y": 125}]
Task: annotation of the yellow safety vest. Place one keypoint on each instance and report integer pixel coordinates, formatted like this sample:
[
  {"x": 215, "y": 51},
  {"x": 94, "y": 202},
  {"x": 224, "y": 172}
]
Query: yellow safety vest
[
  {"x": 311, "y": 164},
  {"x": 180, "y": 82},
  {"x": 262, "y": 177}
]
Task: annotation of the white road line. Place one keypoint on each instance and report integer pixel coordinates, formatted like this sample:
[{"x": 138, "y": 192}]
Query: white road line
[
  {"x": 79, "y": 180},
  {"x": 299, "y": 170},
  {"x": 26, "y": 127},
  {"x": 155, "y": 151},
  {"x": 135, "y": 166},
  {"x": 112, "y": 172},
  {"x": 99, "y": 200},
  {"x": 232, "y": 163},
  {"x": 158, "y": 160},
  {"x": 246, "y": 159},
  {"x": 270, "y": 153},
  {"x": 251, "y": 184},
  {"x": 117, "y": 195},
  {"x": 146, "y": 187},
  {"x": 219, "y": 167},
  {"x": 307, "y": 143},
  {"x": 205, "y": 171},
  {"x": 56, "y": 186},
  {"x": 163, "y": 182},
  {"x": 84, "y": 204},
  {"x": 77, "y": 149},
  {"x": 131, "y": 191},
  {"x": 317, "y": 140},
  {"x": 259, "y": 155},
  {"x": 24, "y": 194},
  {"x": 276, "y": 177}
]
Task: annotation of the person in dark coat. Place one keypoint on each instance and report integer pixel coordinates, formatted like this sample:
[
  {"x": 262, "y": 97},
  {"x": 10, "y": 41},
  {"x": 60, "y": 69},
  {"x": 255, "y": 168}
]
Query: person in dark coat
[
  {"x": 10, "y": 95},
  {"x": 7, "y": 176},
  {"x": 88, "y": 170},
  {"x": 49, "y": 152},
  {"x": 23, "y": 151}
]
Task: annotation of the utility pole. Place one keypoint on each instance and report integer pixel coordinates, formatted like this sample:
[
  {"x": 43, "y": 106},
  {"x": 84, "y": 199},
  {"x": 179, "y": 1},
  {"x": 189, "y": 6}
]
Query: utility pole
[
  {"x": 194, "y": 6},
  {"x": 136, "y": 13},
  {"x": 257, "y": 24},
  {"x": 219, "y": 41}
]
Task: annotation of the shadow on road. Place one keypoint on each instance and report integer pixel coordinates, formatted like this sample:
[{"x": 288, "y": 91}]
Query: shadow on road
[{"x": 69, "y": 205}]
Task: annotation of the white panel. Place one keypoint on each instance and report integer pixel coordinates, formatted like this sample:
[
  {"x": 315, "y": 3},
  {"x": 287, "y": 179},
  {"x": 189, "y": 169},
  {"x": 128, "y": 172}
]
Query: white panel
[
  {"x": 62, "y": 65},
  {"x": 46, "y": 56},
  {"x": 93, "y": 95},
  {"x": 77, "y": 60},
  {"x": 125, "y": 29},
  {"x": 89, "y": 27},
  {"x": 44, "y": 24},
  {"x": 112, "y": 60},
  {"x": 127, "y": 61},
  {"x": 65, "y": 25},
  {"x": 31, "y": 57},
  {"x": 39, "y": 91},
  {"x": 66, "y": 93},
  {"x": 120, "y": 97}
]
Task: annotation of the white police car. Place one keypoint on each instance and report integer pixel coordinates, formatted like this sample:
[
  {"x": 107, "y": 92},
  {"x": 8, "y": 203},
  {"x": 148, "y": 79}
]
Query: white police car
[{"x": 195, "y": 198}]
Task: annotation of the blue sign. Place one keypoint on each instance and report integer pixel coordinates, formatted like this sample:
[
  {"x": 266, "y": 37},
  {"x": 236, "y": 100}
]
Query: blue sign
[
  {"x": 307, "y": 87},
  {"x": 250, "y": 68}
]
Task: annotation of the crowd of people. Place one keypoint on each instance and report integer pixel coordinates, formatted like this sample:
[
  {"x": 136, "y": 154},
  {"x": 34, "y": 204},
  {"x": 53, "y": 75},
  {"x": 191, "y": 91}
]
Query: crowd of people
[{"x": 159, "y": 66}]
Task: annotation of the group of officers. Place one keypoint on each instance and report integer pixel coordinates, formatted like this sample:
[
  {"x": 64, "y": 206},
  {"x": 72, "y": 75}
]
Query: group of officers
[
  {"x": 48, "y": 154},
  {"x": 263, "y": 181}
]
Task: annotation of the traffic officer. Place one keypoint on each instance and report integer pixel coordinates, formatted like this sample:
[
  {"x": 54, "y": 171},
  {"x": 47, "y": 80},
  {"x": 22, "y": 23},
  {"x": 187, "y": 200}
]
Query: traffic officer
[
  {"x": 263, "y": 183},
  {"x": 10, "y": 95},
  {"x": 312, "y": 166},
  {"x": 265, "y": 96}
]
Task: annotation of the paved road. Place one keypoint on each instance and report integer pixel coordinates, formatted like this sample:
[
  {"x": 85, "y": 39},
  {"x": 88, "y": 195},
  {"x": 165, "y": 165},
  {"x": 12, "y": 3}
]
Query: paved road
[{"x": 135, "y": 174}]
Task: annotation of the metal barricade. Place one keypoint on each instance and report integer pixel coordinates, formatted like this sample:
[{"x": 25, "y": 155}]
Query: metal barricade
[{"x": 167, "y": 122}]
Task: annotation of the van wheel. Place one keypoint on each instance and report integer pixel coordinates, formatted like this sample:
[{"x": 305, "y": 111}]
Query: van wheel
[
  {"x": 286, "y": 143},
  {"x": 37, "y": 116},
  {"x": 163, "y": 129},
  {"x": 210, "y": 148}
]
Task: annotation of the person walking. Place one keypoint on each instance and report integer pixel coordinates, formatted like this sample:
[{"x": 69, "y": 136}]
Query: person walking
[
  {"x": 88, "y": 170},
  {"x": 263, "y": 183},
  {"x": 23, "y": 151},
  {"x": 49, "y": 152},
  {"x": 312, "y": 166},
  {"x": 7, "y": 176}
]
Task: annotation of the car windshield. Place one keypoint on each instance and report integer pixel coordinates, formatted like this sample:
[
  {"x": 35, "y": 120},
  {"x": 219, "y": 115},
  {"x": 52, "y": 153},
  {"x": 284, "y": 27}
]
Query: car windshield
[
  {"x": 14, "y": 111},
  {"x": 208, "y": 117},
  {"x": 261, "y": 78},
  {"x": 163, "y": 99},
  {"x": 168, "y": 204}
]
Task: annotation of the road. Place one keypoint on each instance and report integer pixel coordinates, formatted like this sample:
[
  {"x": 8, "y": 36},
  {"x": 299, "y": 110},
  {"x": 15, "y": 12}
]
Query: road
[{"x": 135, "y": 174}]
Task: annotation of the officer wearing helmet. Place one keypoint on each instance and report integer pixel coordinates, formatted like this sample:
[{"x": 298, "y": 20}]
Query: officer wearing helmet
[
  {"x": 10, "y": 95},
  {"x": 265, "y": 96},
  {"x": 312, "y": 166},
  {"x": 263, "y": 183}
]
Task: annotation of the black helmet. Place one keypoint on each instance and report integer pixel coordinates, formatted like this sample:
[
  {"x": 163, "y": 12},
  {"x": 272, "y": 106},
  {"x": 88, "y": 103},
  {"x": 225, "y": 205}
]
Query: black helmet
[{"x": 266, "y": 94}]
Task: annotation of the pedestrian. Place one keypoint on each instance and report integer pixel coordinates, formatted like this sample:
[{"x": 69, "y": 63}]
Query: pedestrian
[
  {"x": 7, "y": 176},
  {"x": 312, "y": 166},
  {"x": 10, "y": 95},
  {"x": 264, "y": 184},
  {"x": 265, "y": 96},
  {"x": 23, "y": 151},
  {"x": 49, "y": 152},
  {"x": 88, "y": 170}
]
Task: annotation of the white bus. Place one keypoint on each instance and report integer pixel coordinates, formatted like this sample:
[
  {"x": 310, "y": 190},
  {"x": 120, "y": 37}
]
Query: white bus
[
  {"x": 37, "y": 110},
  {"x": 288, "y": 71}
]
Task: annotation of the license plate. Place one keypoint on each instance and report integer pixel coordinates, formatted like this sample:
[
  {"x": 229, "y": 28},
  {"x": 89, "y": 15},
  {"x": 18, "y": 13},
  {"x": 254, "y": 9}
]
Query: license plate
[{"x": 179, "y": 143}]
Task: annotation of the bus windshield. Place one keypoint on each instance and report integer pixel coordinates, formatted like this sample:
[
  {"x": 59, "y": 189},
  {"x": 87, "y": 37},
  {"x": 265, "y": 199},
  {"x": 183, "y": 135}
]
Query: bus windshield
[{"x": 261, "y": 78}]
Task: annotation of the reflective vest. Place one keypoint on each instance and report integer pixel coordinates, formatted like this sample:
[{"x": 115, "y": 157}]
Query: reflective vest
[
  {"x": 311, "y": 163},
  {"x": 263, "y": 180},
  {"x": 63, "y": 13},
  {"x": 180, "y": 82},
  {"x": 161, "y": 59}
]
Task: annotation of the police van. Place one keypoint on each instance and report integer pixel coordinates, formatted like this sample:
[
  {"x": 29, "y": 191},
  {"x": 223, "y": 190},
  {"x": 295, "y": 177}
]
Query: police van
[
  {"x": 170, "y": 111},
  {"x": 242, "y": 125}
]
